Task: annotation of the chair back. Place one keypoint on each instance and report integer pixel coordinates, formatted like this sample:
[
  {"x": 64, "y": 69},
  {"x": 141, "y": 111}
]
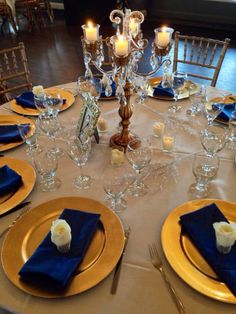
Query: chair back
[
  {"x": 14, "y": 72},
  {"x": 200, "y": 54}
]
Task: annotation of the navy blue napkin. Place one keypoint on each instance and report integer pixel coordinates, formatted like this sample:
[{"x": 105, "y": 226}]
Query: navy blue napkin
[
  {"x": 9, "y": 180},
  {"x": 11, "y": 134},
  {"x": 161, "y": 91},
  {"x": 52, "y": 270},
  {"x": 26, "y": 99},
  {"x": 226, "y": 112},
  {"x": 199, "y": 226},
  {"x": 113, "y": 87}
]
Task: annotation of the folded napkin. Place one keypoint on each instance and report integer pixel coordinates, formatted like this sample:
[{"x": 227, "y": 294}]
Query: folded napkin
[
  {"x": 10, "y": 133},
  {"x": 226, "y": 112},
  {"x": 198, "y": 225},
  {"x": 26, "y": 100},
  {"x": 9, "y": 180},
  {"x": 113, "y": 87},
  {"x": 161, "y": 91},
  {"x": 52, "y": 270}
]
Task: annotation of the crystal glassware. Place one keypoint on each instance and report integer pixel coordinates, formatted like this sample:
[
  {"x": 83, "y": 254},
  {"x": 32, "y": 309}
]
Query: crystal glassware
[
  {"x": 232, "y": 131},
  {"x": 54, "y": 101},
  {"x": 178, "y": 82},
  {"x": 204, "y": 169},
  {"x": 197, "y": 96},
  {"x": 213, "y": 139},
  {"x": 139, "y": 158},
  {"x": 41, "y": 103},
  {"x": 116, "y": 180},
  {"x": 45, "y": 163},
  {"x": 214, "y": 104},
  {"x": 79, "y": 152},
  {"x": 30, "y": 138}
]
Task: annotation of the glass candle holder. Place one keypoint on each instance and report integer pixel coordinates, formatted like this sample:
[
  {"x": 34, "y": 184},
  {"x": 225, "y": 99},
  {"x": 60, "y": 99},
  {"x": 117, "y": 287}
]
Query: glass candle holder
[
  {"x": 121, "y": 46},
  {"x": 91, "y": 32},
  {"x": 163, "y": 36},
  {"x": 134, "y": 27}
]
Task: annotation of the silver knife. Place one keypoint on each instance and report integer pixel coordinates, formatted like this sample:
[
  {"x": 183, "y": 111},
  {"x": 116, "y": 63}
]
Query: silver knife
[{"x": 116, "y": 276}]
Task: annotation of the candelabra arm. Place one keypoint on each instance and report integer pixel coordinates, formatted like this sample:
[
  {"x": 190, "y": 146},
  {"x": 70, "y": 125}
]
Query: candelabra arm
[{"x": 158, "y": 66}]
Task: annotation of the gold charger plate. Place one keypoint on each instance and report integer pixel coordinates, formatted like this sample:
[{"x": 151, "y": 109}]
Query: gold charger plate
[
  {"x": 25, "y": 236},
  {"x": 186, "y": 260},
  {"x": 28, "y": 175},
  {"x": 228, "y": 100},
  {"x": 154, "y": 81},
  {"x": 67, "y": 95},
  {"x": 13, "y": 120}
]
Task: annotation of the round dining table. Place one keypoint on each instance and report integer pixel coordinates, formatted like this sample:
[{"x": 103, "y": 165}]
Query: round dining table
[{"x": 141, "y": 288}]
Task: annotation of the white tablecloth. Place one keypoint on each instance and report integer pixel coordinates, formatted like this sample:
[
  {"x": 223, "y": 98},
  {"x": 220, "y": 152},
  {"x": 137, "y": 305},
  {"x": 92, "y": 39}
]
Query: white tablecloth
[{"x": 141, "y": 288}]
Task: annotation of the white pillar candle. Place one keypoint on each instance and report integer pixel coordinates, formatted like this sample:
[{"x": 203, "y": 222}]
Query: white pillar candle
[
  {"x": 91, "y": 33},
  {"x": 168, "y": 143},
  {"x": 162, "y": 38},
  {"x": 102, "y": 124},
  {"x": 158, "y": 129},
  {"x": 117, "y": 157},
  {"x": 133, "y": 26},
  {"x": 121, "y": 46}
]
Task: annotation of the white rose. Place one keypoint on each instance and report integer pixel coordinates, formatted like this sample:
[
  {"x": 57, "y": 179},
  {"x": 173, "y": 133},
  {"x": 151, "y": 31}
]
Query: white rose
[
  {"x": 38, "y": 90},
  {"x": 60, "y": 232}
]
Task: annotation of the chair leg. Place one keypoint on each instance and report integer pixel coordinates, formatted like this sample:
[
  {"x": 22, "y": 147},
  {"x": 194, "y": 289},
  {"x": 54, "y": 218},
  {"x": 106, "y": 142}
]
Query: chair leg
[
  {"x": 39, "y": 15},
  {"x": 49, "y": 11},
  {"x": 13, "y": 23}
]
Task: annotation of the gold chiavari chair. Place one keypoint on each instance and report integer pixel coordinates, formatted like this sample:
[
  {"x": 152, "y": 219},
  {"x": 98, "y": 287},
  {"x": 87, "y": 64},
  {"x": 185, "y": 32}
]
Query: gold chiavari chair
[
  {"x": 14, "y": 72},
  {"x": 46, "y": 6},
  {"x": 202, "y": 55},
  {"x": 32, "y": 10},
  {"x": 6, "y": 15}
]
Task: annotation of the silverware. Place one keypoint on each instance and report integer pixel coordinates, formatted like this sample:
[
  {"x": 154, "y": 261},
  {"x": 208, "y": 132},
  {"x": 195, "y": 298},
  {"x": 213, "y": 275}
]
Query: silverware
[
  {"x": 157, "y": 263},
  {"x": 24, "y": 210},
  {"x": 116, "y": 276}
]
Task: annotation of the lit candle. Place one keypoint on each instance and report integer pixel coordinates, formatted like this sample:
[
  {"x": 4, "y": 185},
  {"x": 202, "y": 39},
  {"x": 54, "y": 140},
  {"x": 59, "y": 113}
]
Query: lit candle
[
  {"x": 117, "y": 157},
  {"x": 91, "y": 32},
  {"x": 168, "y": 143},
  {"x": 102, "y": 124},
  {"x": 121, "y": 46},
  {"x": 163, "y": 37},
  {"x": 133, "y": 26},
  {"x": 158, "y": 129}
]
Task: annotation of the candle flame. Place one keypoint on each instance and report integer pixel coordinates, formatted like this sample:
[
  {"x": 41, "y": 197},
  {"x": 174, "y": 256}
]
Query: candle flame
[
  {"x": 90, "y": 24},
  {"x": 164, "y": 28}
]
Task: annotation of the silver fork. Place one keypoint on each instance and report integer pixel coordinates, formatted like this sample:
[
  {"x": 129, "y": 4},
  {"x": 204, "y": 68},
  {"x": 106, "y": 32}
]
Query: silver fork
[{"x": 157, "y": 263}]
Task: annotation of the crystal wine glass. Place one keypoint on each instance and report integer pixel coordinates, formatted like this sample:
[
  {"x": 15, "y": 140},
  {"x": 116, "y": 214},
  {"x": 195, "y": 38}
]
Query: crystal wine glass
[
  {"x": 213, "y": 139},
  {"x": 30, "y": 138},
  {"x": 79, "y": 152},
  {"x": 204, "y": 169},
  {"x": 45, "y": 162},
  {"x": 178, "y": 82},
  {"x": 197, "y": 96},
  {"x": 139, "y": 158},
  {"x": 232, "y": 131},
  {"x": 213, "y": 105}
]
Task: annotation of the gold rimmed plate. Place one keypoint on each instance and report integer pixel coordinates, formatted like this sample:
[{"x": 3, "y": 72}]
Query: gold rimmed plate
[
  {"x": 228, "y": 100},
  {"x": 184, "y": 257},
  {"x": 155, "y": 81},
  {"x": 28, "y": 175},
  {"x": 14, "y": 120},
  {"x": 100, "y": 259},
  {"x": 67, "y": 95}
]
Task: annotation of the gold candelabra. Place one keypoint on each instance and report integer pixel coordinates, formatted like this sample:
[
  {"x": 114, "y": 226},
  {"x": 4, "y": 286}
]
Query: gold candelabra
[{"x": 127, "y": 48}]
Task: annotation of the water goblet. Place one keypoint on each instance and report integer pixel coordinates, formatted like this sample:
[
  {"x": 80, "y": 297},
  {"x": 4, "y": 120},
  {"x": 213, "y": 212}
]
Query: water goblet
[
  {"x": 54, "y": 101},
  {"x": 197, "y": 96},
  {"x": 45, "y": 163},
  {"x": 205, "y": 169},
  {"x": 178, "y": 82},
  {"x": 214, "y": 104},
  {"x": 213, "y": 139},
  {"x": 30, "y": 138},
  {"x": 41, "y": 103},
  {"x": 116, "y": 180},
  {"x": 232, "y": 131},
  {"x": 79, "y": 152},
  {"x": 139, "y": 158}
]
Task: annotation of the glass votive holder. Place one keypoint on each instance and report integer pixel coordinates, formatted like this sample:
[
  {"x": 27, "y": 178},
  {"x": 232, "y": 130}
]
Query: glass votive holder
[
  {"x": 158, "y": 128},
  {"x": 91, "y": 32},
  {"x": 225, "y": 236},
  {"x": 163, "y": 36}
]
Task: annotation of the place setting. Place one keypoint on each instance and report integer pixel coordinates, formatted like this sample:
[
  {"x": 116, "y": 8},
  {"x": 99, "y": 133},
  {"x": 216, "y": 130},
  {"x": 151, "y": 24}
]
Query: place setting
[
  {"x": 10, "y": 135},
  {"x": 29, "y": 104},
  {"x": 81, "y": 234}
]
